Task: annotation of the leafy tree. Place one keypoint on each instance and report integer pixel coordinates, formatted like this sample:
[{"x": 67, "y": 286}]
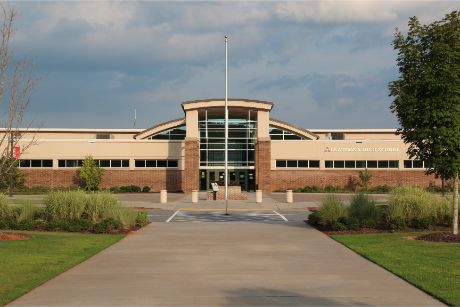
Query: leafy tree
[
  {"x": 427, "y": 96},
  {"x": 90, "y": 174},
  {"x": 365, "y": 178}
]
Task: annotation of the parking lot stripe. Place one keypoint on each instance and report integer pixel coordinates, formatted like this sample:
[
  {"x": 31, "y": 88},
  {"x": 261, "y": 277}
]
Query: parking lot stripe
[
  {"x": 172, "y": 216},
  {"x": 282, "y": 216}
]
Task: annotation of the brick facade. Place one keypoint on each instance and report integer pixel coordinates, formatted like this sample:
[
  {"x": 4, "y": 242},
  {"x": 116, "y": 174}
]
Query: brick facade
[
  {"x": 190, "y": 180},
  {"x": 156, "y": 179},
  {"x": 263, "y": 157},
  {"x": 292, "y": 179}
]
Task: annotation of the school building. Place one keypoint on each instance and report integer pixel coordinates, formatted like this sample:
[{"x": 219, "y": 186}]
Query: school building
[{"x": 187, "y": 154}]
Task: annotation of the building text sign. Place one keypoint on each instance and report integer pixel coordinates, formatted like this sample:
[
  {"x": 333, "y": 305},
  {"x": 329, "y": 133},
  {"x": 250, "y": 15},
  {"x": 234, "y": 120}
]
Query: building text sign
[{"x": 361, "y": 149}]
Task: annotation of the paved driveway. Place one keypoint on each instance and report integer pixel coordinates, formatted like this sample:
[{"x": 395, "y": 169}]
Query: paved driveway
[{"x": 227, "y": 264}]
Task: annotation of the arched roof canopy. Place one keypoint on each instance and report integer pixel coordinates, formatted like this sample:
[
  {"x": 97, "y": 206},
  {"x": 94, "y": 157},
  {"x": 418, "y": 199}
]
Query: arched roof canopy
[
  {"x": 296, "y": 130},
  {"x": 160, "y": 128},
  {"x": 232, "y": 102}
]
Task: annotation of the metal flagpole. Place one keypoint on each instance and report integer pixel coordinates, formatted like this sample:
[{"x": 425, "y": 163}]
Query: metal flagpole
[{"x": 226, "y": 130}]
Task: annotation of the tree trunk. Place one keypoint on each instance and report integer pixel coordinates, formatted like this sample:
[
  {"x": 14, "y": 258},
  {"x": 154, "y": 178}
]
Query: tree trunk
[{"x": 455, "y": 205}]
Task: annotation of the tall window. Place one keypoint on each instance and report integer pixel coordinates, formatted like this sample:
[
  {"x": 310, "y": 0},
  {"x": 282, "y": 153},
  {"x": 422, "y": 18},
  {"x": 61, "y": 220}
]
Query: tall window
[
  {"x": 281, "y": 134},
  {"x": 242, "y": 134},
  {"x": 176, "y": 133}
]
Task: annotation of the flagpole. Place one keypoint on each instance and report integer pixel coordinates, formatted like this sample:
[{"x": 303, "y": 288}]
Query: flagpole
[{"x": 226, "y": 130}]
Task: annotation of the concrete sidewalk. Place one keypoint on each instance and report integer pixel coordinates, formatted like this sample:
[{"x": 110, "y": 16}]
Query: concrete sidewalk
[{"x": 226, "y": 264}]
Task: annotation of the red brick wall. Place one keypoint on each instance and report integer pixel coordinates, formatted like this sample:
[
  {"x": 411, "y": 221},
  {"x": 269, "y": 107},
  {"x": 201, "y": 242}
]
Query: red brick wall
[
  {"x": 190, "y": 180},
  {"x": 156, "y": 179},
  {"x": 263, "y": 156},
  {"x": 292, "y": 179}
]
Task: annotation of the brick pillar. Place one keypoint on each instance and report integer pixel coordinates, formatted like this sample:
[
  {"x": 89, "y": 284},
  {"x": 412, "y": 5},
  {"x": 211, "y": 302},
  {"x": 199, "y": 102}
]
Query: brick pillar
[
  {"x": 263, "y": 157},
  {"x": 190, "y": 176}
]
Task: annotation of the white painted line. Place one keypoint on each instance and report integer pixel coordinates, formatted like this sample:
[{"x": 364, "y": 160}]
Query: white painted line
[
  {"x": 282, "y": 216},
  {"x": 172, "y": 216}
]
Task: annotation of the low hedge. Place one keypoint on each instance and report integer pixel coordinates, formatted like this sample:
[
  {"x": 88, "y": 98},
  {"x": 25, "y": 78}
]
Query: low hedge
[
  {"x": 408, "y": 207},
  {"x": 73, "y": 211}
]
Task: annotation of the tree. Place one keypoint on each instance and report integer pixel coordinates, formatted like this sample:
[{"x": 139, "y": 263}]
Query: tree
[
  {"x": 17, "y": 83},
  {"x": 426, "y": 96},
  {"x": 365, "y": 178},
  {"x": 90, "y": 174}
]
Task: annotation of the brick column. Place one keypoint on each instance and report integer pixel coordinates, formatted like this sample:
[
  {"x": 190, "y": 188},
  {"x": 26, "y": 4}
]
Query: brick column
[
  {"x": 263, "y": 160},
  {"x": 190, "y": 176}
]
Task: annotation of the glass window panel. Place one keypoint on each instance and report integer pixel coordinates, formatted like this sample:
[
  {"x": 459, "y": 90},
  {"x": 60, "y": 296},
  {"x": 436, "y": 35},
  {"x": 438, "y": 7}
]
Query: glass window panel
[
  {"x": 303, "y": 163},
  {"x": 47, "y": 163},
  {"x": 383, "y": 164},
  {"x": 407, "y": 163},
  {"x": 328, "y": 164},
  {"x": 61, "y": 163},
  {"x": 103, "y": 163},
  {"x": 393, "y": 163},
  {"x": 79, "y": 163},
  {"x": 276, "y": 137},
  {"x": 139, "y": 163},
  {"x": 161, "y": 163},
  {"x": 418, "y": 164},
  {"x": 339, "y": 164},
  {"x": 36, "y": 163},
  {"x": 25, "y": 163},
  {"x": 124, "y": 163},
  {"x": 115, "y": 163},
  {"x": 150, "y": 163},
  {"x": 71, "y": 163},
  {"x": 292, "y": 137},
  {"x": 176, "y": 137},
  {"x": 360, "y": 164},
  {"x": 280, "y": 163},
  {"x": 276, "y": 131},
  {"x": 160, "y": 137},
  {"x": 314, "y": 163},
  {"x": 371, "y": 164},
  {"x": 291, "y": 163},
  {"x": 172, "y": 163},
  {"x": 350, "y": 164}
]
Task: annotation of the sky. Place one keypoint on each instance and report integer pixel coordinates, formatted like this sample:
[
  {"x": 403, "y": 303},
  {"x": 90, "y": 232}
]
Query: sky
[{"x": 324, "y": 64}]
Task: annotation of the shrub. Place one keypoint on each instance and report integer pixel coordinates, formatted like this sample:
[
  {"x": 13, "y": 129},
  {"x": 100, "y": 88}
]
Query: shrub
[
  {"x": 98, "y": 206},
  {"x": 362, "y": 208},
  {"x": 5, "y": 209},
  {"x": 145, "y": 189},
  {"x": 381, "y": 189},
  {"x": 90, "y": 174},
  {"x": 130, "y": 189},
  {"x": 417, "y": 208},
  {"x": 365, "y": 178},
  {"x": 314, "y": 219},
  {"x": 332, "y": 213},
  {"x": 107, "y": 226},
  {"x": 141, "y": 219},
  {"x": 68, "y": 205},
  {"x": 26, "y": 212}
]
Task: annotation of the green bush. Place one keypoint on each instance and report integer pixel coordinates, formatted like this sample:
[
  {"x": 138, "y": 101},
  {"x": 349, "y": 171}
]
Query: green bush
[
  {"x": 106, "y": 226},
  {"x": 332, "y": 213},
  {"x": 141, "y": 219},
  {"x": 418, "y": 208},
  {"x": 145, "y": 189},
  {"x": 65, "y": 205},
  {"x": 99, "y": 205},
  {"x": 362, "y": 208},
  {"x": 5, "y": 209}
]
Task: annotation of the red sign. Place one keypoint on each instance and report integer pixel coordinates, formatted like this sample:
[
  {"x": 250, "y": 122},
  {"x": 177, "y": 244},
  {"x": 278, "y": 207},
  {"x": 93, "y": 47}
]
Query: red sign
[{"x": 17, "y": 152}]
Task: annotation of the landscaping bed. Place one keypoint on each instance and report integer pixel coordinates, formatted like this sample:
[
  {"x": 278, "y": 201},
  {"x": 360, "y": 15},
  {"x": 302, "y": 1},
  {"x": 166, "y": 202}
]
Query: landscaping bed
[
  {"x": 439, "y": 237},
  {"x": 13, "y": 236}
]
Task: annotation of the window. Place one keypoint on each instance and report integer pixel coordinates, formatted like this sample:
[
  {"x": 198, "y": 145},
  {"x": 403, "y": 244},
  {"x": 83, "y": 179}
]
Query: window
[
  {"x": 70, "y": 163},
  {"x": 413, "y": 164},
  {"x": 115, "y": 163},
  {"x": 281, "y": 134},
  {"x": 337, "y": 135},
  {"x": 176, "y": 133},
  {"x": 103, "y": 136},
  {"x": 156, "y": 163},
  {"x": 34, "y": 163},
  {"x": 297, "y": 163},
  {"x": 361, "y": 164}
]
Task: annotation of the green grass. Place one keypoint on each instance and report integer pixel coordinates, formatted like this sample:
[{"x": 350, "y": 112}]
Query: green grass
[
  {"x": 16, "y": 201},
  {"x": 29, "y": 263},
  {"x": 432, "y": 267}
]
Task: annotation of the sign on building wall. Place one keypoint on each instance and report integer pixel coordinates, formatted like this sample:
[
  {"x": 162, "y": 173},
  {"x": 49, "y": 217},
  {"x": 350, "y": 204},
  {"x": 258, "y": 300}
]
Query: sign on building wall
[
  {"x": 17, "y": 152},
  {"x": 361, "y": 149}
]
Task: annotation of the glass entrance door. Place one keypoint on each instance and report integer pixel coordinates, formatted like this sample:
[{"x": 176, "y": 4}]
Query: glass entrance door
[{"x": 244, "y": 178}]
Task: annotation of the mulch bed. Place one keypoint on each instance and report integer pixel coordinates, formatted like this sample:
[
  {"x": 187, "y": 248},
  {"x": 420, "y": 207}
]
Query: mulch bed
[
  {"x": 440, "y": 237},
  {"x": 13, "y": 236}
]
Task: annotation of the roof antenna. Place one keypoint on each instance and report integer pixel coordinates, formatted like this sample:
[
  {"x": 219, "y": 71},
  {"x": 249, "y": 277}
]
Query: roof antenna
[{"x": 135, "y": 117}]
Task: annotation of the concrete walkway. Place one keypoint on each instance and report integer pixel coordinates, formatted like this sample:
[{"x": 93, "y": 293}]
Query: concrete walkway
[{"x": 226, "y": 264}]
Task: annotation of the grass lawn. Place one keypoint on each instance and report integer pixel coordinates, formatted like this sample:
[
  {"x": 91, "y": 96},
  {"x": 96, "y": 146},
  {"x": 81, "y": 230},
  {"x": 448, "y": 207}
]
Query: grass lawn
[
  {"x": 432, "y": 267},
  {"x": 28, "y": 263}
]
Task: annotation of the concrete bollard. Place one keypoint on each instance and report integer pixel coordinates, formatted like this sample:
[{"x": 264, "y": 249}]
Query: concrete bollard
[
  {"x": 163, "y": 196},
  {"x": 289, "y": 197},
  {"x": 194, "y": 196},
  {"x": 258, "y": 196}
]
